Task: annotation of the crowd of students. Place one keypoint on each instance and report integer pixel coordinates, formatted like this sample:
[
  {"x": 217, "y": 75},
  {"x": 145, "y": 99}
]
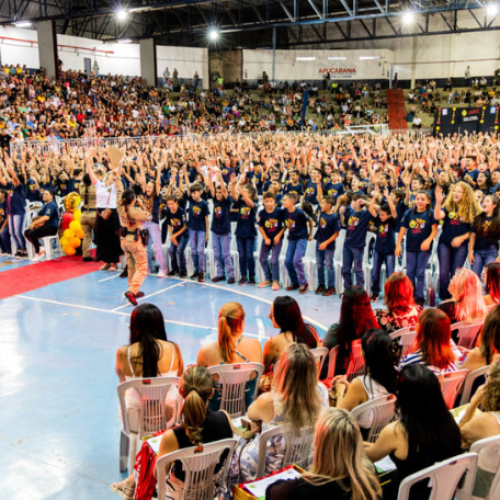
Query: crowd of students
[{"x": 424, "y": 432}]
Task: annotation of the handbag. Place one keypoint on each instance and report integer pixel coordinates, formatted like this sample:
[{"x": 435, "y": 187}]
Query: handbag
[{"x": 106, "y": 213}]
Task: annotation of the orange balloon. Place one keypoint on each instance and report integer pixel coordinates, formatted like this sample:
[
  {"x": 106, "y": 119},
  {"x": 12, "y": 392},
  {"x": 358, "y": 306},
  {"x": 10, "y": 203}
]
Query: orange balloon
[
  {"x": 80, "y": 234},
  {"x": 69, "y": 250},
  {"x": 75, "y": 242}
]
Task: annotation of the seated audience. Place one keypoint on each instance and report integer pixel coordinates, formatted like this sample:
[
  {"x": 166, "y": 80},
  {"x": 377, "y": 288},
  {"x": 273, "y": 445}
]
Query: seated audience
[
  {"x": 231, "y": 347},
  {"x": 401, "y": 312},
  {"x": 492, "y": 284},
  {"x": 340, "y": 469},
  {"x": 425, "y": 434}
]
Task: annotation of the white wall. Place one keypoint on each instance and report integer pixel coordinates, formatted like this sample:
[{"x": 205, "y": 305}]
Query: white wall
[
  {"x": 124, "y": 59},
  {"x": 288, "y": 67}
]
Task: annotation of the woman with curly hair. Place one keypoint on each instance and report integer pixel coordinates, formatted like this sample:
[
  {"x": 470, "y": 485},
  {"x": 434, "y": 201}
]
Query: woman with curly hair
[{"x": 458, "y": 213}]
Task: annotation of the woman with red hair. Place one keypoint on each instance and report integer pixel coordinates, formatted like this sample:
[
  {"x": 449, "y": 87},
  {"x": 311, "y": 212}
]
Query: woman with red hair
[
  {"x": 492, "y": 283},
  {"x": 401, "y": 312},
  {"x": 435, "y": 348}
]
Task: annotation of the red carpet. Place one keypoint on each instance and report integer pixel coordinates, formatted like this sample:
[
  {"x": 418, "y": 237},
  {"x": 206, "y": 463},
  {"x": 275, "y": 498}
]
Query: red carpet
[{"x": 33, "y": 276}]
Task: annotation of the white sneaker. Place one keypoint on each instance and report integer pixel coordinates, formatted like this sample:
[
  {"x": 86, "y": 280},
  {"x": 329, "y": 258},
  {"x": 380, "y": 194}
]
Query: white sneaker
[
  {"x": 38, "y": 257},
  {"x": 162, "y": 274}
]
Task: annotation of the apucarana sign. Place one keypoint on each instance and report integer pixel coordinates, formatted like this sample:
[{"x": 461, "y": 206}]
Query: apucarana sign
[{"x": 337, "y": 73}]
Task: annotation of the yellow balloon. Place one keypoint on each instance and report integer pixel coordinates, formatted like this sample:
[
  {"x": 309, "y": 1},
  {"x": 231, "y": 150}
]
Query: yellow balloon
[
  {"x": 75, "y": 226},
  {"x": 74, "y": 242},
  {"x": 80, "y": 234},
  {"x": 76, "y": 201},
  {"x": 69, "y": 250},
  {"x": 68, "y": 234},
  {"x": 77, "y": 214},
  {"x": 63, "y": 241}
]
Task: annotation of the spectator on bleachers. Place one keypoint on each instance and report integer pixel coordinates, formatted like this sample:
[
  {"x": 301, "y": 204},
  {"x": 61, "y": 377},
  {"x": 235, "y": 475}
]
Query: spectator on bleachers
[
  {"x": 296, "y": 399},
  {"x": 148, "y": 354},
  {"x": 380, "y": 377},
  {"x": 435, "y": 347},
  {"x": 356, "y": 317},
  {"x": 231, "y": 347},
  {"x": 285, "y": 314},
  {"x": 467, "y": 302},
  {"x": 492, "y": 284},
  {"x": 401, "y": 312},
  {"x": 339, "y": 470},
  {"x": 489, "y": 343},
  {"x": 425, "y": 434}
]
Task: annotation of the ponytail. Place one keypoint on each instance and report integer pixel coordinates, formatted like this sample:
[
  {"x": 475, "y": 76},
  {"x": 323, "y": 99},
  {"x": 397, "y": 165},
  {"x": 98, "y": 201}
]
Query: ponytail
[
  {"x": 225, "y": 344},
  {"x": 196, "y": 389},
  {"x": 231, "y": 317}
]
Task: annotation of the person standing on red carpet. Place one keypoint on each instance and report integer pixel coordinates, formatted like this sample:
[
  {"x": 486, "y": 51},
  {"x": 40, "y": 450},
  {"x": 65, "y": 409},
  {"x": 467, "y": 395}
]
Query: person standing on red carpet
[{"x": 133, "y": 245}]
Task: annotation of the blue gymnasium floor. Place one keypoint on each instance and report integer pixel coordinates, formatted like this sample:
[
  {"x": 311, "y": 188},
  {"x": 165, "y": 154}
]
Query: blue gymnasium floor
[{"x": 59, "y": 426}]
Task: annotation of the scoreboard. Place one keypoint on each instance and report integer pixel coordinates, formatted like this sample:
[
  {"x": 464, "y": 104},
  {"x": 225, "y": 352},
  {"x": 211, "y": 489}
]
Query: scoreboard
[{"x": 448, "y": 121}]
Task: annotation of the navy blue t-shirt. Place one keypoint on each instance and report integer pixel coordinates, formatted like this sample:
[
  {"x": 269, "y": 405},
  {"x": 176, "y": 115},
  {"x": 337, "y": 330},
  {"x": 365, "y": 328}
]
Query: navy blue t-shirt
[
  {"x": 297, "y": 190},
  {"x": 74, "y": 185},
  {"x": 50, "y": 210},
  {"x": 32, "y": 191},
  {"x": 386, "y": 235},
  {"x": 334, "y": 190},
  {"x": 221, "y": 223},
  {"x": 226, "y": 173},
  {"x": 278, "y": 200},
  {"x": 62, "y": 187},
  {"x": 246, "y": 220},
  {"x": 198, "y": 210},
  {"x": 266, "y": 186},
  {"x": 328, "y": 225},
  {"x": 177, "y": 221},
  {"x": 482, "y": 240},
  {"x": 296, "y": 222},
  {"x": 311, "y": 191},
  {"x": 453, "y": 226},
  {"x": 356, "y": 227},
  {"x": 271, "y": 223},
  {"x": 16, "y": 199},
  {"x": 473, "y": 174},
  {"x": 418, "y": 227},
  {"x": 3, "y": 212},
  {"x": 153, "y": 207}
]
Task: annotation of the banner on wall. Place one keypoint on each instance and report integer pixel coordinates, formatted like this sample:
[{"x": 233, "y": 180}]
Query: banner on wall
[{"x": 448, "y": 121}]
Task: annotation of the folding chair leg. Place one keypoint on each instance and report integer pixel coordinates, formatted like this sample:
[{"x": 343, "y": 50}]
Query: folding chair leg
[{"x": 124, "y": 446}]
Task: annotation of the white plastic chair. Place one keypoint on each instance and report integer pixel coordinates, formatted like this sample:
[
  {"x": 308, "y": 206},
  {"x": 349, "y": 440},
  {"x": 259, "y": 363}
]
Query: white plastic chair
[
  {"x": 470, "y": 380},
  {"x": 468, "y": 332},
  {"x": 356, "y": 362},
  {"x": 383, "y": 408},
  {"x": 491, "y": 446},
  {"x": 152, "y": 395},
  {"x": 47, "y": 244},
  {"x": 201, "y": 482},
  {"x": 444, "y": 478},
  {"x": 297, "y": 447},
  {"x": 310, "y": 264},
  {"x": 320, "y": 354},
  {"x": 233, "y": 378},
  {"x": 451, "y": 384},
  {"x": 337, "y": 261},
  {"x": 367, "y": 263},
  {"x": 406, "y": 337}
]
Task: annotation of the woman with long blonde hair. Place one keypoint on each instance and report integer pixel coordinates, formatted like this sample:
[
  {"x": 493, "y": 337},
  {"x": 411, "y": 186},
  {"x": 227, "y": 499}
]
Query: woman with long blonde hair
[
  {"x": 340, "y": 469},
  {"x": 231, "y": 347},
  {"x": 458, "y": 212},
  {"x": 467, "y": 301}
]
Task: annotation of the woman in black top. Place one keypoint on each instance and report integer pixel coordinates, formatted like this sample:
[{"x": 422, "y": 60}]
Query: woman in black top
[
  {"x": 199, "y": 426},
  {"x": 340, "y": 468}
]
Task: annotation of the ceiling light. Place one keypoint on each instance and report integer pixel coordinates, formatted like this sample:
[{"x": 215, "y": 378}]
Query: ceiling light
[
  {"x": 122, "y": 15},
  {"x": 337, "y": 58},
  {"x": 125, "y": 40},
  {"x": 213, "y": 35},
  {"x": 492, "y": 9},
  {"x": 22, "y": 24},
  {"x": 306, "y": 59},
  {"x": 408, "y": 17},
  {"x": 368, "y": 57}
]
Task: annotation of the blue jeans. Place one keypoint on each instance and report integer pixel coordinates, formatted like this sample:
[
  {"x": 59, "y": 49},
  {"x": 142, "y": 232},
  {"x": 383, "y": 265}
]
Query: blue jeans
[
  {"x": 275, "y": 251},
  {"x": 348, "y": 256},
  {"x": 178, "y": 251},
  {"x": 155, "y": 242},
  {"x": 324, "y": 258},
  {"x": 16, "y": 231},
  {"x": 482, "y": 258},
  {"x": 450, "y": 259},
  {"x": 197, "y": 240},
  {"x": 416, "y": 262},
  {"x": 5, "y": 241},
  {"x": 247, "y": 262},
  {"x": 293, "y": 261},
  {"x": 222, "y": 254},
  {"x": 380, "y": 258}
]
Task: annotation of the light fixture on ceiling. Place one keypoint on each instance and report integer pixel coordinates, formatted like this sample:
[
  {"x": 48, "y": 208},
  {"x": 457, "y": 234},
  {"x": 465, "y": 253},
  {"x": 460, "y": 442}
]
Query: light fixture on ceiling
[
  {"x": 213, "y": 34},
  {"x": 121, "y": 14},
  {"x": 22, "y": 24},
  {"x": 408, "y": 17},
  {"x": 125, "y": 40},
  {"x": 306, "y": 59},
  {"x": 339, "y": 58}
]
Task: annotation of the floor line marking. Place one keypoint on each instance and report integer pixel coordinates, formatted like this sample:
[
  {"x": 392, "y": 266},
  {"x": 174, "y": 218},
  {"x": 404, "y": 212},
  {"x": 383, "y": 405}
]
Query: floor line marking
[
  {"x": 110, "y": 278},
  {"x": 148, "y": 296},
  {"x": 306, "y": 318},
  {"x": 114, "y": 311}
]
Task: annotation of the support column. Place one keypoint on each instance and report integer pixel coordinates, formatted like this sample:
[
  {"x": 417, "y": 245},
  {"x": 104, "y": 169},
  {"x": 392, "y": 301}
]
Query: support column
[
  {"x": 47, "y": 48},
  {"x": 274, "y": 54},
  {"x": 414, "y": 59},
  {"x": 147, "y": 49}
]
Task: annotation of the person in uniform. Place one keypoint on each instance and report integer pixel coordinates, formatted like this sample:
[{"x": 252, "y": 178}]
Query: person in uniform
[
  {"x": 131, "y": 238},
  {"x": 87, "y": 220}
]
